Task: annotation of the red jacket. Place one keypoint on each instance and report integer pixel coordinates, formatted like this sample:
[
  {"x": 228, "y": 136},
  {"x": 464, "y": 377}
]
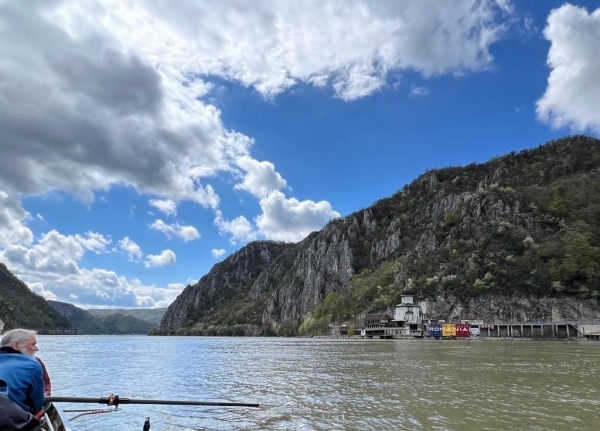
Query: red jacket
[{"x": 46, "y": 376}]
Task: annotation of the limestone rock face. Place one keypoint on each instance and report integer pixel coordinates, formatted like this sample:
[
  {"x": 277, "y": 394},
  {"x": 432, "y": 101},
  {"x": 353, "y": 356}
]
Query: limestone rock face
[
  {"x": 323, "y": 264},
  {"x": 496, "y": 308},
  {"x": 238, "y": 272}
]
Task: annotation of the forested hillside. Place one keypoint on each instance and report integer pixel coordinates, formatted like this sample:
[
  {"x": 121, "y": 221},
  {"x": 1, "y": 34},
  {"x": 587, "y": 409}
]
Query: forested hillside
[{"x": 515, "y": 238}]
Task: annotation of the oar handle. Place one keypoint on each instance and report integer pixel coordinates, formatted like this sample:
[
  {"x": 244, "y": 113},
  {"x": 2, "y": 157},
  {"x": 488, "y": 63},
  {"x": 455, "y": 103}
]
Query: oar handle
[{"x": 116, "y": 400}]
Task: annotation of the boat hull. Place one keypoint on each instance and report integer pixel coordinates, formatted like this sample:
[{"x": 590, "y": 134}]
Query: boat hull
[{"x": 57, "y": 419}]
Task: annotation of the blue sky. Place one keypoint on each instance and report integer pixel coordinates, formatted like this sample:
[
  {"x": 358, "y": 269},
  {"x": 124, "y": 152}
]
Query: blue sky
[{"x": 141, "y": 143}]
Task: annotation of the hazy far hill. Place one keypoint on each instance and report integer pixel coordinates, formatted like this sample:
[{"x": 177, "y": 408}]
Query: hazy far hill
[
  {"x": 152, "y": 315},
  {"x": 81, "y": 321},
  {"x": 84, "y": 322}
]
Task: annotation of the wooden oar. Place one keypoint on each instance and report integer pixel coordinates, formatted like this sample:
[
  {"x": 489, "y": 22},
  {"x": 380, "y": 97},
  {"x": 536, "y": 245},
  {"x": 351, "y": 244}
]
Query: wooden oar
[{"x": 116, "y": 400}]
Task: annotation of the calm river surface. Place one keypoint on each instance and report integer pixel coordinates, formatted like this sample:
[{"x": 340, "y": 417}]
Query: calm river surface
[{"x": 330, "y": 384}]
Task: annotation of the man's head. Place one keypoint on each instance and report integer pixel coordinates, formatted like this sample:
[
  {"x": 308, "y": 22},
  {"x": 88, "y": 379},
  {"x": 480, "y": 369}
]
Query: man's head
[{"x": 22, "y": 340}]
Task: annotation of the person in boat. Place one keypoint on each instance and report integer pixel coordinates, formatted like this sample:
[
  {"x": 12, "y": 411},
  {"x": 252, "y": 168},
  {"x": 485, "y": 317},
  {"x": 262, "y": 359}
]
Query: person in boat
[
  {"x": 46, "y": 377},
  {"x": 12, "y": 416},
  {"x": 19, "y": 368}
]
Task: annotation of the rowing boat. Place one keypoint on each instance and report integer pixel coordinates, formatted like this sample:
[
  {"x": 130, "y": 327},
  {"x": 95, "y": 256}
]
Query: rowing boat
[{"x": 54, "y": 419}]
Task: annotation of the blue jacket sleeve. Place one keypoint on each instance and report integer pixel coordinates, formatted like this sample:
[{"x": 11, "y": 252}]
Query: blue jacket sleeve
[{"x": 36, "y": 392}]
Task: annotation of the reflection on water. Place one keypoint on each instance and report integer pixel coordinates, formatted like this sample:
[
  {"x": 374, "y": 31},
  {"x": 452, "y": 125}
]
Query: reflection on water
[{"x": 324, "y": 384}]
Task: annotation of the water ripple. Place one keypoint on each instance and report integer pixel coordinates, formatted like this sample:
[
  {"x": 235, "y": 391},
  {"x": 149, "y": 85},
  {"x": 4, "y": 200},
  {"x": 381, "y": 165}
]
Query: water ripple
[{"x": 323, "y": 384}]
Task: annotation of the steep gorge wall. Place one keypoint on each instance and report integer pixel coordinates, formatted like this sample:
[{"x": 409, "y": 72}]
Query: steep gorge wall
[{"x": 234, "y": 275}]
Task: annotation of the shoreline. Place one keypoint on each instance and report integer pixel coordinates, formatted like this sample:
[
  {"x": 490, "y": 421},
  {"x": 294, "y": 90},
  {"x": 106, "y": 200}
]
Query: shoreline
[{"x": 427, "y": 339}]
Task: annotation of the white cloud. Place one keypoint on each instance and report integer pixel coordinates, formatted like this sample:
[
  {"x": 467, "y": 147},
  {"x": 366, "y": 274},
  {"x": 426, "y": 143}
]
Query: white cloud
[
  {"x": 148, "y": 294},
  {"x": 505, "y": 5},
  {"x": 53, "y": 252},
  {"x": 50, "y": 268},
  {"x": 292, "y": 220},
  {"x": 282, "y": 219},
  {"x": 217, "y": 253},
  {"x": 12, "y": 229},
  {"x": 419, "y": 91},
  {"x": 134, "y": 252},
  {"x": 186, "y": 233},
  {"x": 260, "y": 178},
  {"x": 166, "y": 257},
  {"x": 353, "y": 44},
  {"x": 94, "y": 242},
  {"x": 148, "y": 130},
  {"x": 573, "y": 91},
  {"x": 240, "y": 229},
  {"x": 166, "y": 206}
]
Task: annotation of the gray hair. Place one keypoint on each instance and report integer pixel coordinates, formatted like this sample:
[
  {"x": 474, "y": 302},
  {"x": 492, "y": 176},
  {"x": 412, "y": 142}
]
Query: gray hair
[{"x": 16, "y": 335}]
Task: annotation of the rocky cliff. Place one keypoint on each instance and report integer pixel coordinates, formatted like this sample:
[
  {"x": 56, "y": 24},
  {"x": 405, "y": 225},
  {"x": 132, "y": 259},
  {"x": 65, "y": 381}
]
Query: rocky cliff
[
  {"x": 227, "y": 283},
  {"x": 517, "y": 237}
]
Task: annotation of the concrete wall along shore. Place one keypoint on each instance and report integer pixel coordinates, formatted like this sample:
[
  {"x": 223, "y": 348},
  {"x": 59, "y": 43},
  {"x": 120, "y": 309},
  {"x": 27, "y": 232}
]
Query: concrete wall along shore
[{"x": 547, "y": 330}]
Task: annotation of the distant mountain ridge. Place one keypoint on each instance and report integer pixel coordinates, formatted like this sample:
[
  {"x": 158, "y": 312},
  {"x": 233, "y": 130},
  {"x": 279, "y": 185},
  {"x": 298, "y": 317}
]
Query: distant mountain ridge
[
  {"x": 152, "y": 315},
  {"x": 85, "y": 323}
]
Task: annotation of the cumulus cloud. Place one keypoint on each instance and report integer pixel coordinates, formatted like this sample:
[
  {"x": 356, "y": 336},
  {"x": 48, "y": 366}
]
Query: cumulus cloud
[
  {"x": 166, "y": 257},
  {"x": 290, "y": 219},
  {"x": 260, "y": 178},
  {"x": 12, "y": 217},
  {"x": 94, "y": 242},
  {"x": 282, "y": 219},
  {"x": 133, "y": 251},
  {"x": 166, "y": 206},
  {"x": 148, "y": 294},
  {"x": 108, "y": 115},
  {"x": 240, "y": 229},
  {"x": 573, "y": 91},
  {"x": 353, "y": 45},
  {"x": 217, "y": 253},
  {"x": 50, "y": 268},
  {"x": 53, "y": 252},
  {"x": 186, "y": 233}
]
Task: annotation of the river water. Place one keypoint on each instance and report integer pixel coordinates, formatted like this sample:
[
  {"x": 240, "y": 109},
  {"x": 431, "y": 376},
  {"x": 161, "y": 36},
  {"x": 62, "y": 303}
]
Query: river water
[{"x": 331, "y": 384}]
